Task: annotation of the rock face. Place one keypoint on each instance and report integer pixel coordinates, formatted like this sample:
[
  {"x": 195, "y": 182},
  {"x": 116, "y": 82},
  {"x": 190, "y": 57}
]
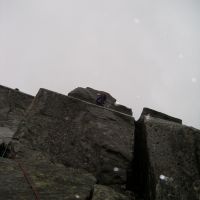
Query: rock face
[
  {"x": 147, "y": 112},
  {"x": 102, "y": 192},
  {"x": 170, "y": 164},
  {"x": 90, "y": 95},
  {"x": 50, "y": 181},
  {"x": 80, "y": 135},
  {"x": 70, "y": 148},
  {"x": 13, "y": 105}
]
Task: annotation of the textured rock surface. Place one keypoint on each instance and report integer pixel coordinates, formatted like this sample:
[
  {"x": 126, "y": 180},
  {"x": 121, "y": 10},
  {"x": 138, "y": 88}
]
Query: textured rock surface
[
  {"x": 90, "y": 95},
  {"x": 80, "y": 135},
  {"x": 153, "y": 113},
  {"x": 61, "y": 141},
  {"x": 49, "y": 180},
  {"x": 13, "y": 105},
  {"x": 105, "y": 193},
  {"x": 170, "y": 164}
]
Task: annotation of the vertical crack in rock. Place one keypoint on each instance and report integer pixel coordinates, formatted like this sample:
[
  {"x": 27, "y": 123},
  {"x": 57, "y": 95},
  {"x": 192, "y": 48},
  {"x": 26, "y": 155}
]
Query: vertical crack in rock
[
  {"x": 4, "y": 150},
  {"x": 166, "y": 161},
  {"x": 63, "y": 138},
  {"x": 91, "y": 194},
  {"x": 142, "y": 178}
]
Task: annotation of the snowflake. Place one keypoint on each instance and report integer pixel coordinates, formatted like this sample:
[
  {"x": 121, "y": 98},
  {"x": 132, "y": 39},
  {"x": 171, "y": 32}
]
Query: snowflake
[
  {"x": 180, "y": 56},
  {"x": 136, "y": 20},
  {"x": 147, "y": 117},
  {"x": 77, "y": 196},
  {"x": 194, "y": 80},
  {"x": 115, "y": 169}
]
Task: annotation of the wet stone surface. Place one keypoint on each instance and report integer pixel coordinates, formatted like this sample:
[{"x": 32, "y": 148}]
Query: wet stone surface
[{"x": 80, "y": 135}]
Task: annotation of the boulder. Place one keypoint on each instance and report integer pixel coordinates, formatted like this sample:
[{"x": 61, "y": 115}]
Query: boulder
[
  {"x": 148, "y": 112},
  {"x": 167, "y": 159},
  {"x": 90, "y": 95},
  {"x": 79, "y": 135},
  {"x": 13, "y": 105},
  {"x": 102, "y": 192}
]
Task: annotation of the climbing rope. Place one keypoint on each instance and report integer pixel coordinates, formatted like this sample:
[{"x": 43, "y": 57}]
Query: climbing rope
[
  {"x": 35, "y": 192},
  {"x": 25, "y": 174},
  {"x": 101, "y": 107}
]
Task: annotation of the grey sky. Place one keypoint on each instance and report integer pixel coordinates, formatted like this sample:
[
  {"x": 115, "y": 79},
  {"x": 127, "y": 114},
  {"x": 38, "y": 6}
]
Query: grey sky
[{"x": 145, "y": 53}]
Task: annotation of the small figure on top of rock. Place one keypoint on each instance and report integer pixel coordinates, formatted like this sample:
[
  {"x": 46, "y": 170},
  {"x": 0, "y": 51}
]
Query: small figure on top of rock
[{"x": 101, "y": 98}]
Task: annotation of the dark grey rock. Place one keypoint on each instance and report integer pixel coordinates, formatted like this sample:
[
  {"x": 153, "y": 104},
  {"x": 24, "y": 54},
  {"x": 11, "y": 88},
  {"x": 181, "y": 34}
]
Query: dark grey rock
[
  {"x": 166, "y": 189},
  {"x": 167, "y": 160},
  {"x": 156, "y": 114},
  {"x": 13, "y": 105},
  {"x": 106, "y": 193},
  {"x": 61, "y": 139},
  {"x": 5, "y": 134},
  {"x": 90, "y": 95},
  {"x": 80, "y": 135},
  {"x": 50, "y": 181}
]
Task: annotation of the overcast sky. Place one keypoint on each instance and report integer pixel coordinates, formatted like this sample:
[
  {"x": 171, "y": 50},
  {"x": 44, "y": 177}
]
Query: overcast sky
[{"x": 145, "y": 53}]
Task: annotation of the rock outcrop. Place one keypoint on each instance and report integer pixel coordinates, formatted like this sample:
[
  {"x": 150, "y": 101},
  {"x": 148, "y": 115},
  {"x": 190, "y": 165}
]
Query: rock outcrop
[
  {"x": 52, "y": 181},
  {"x": 147, "y": 112},
  {"x": 102, "y": 192},
  {"x": 170, "y": 164},
  {"x": 67, "y": 147},
  {"x": 90, "y": 95},
  {"x": 13, "y": 105},
  {"x": 80, "y": 135}
]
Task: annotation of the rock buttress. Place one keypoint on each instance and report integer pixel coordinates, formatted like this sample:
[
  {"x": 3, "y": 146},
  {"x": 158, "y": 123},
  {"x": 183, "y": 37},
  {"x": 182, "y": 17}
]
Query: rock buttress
[
  {"x": 80, "y": 135},
  {"x": 90, "y": 95},
  {"x": 13, "y": 105},
  {"x": 50, "y": 181},
  {"x": 167, "y": 160},
  {"x": 102, "y": 192}
]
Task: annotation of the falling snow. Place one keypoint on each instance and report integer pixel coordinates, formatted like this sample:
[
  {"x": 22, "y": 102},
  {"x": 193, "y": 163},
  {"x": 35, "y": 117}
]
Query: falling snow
[
  {"x": 138, "y": 96},
  {"x": 180, "y": 56},
  {"x": 165, "y": 178},
  {"x": 147, "y": 117},
  {"x": 136, "y": 20},
  {"x": 77, "y": 196},
  {"x": 194, "y": 80},
  {"x": 162, "y": 177},
  {"x": 116, "y": 103},
  {"x": 115, "y": 169},
  {"x": 66, "y": 118}
]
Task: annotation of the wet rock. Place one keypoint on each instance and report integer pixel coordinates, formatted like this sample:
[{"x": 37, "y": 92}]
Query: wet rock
[
  {"x": 5, "y": 135},
  {"x": 50, "y": 181},
  {"x": 167, "y": 159},
  {"x": 13, "y": 105},
  {"x": 80, "y": 135},
  {"x": 90, "y": 95},
  {"x": 167, "y": 190},
  {"x": 67, "y": 144},
  {"x": 147, "y": 112},
  {"x": 106, "y": 193}
]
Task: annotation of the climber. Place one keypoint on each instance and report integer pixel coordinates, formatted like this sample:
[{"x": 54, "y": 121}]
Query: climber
[{"x": 100, "y": 100}]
